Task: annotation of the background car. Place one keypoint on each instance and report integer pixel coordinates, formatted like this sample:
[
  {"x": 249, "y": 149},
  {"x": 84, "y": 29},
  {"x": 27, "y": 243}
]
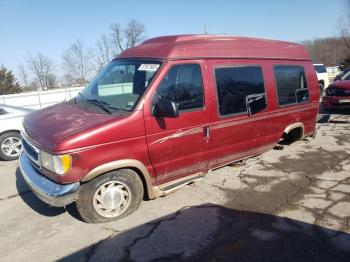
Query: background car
[
  {"x": 344, "y": 75},
  {"x": 322, "y": 76},
  {"x": 338, "y": 94},
  {"x": 10, "y": 126}
]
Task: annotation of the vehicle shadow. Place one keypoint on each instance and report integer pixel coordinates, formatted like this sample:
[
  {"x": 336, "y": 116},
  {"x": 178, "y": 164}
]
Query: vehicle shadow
[
  {"x": 211, "y": 232},
  {"x": 36, "y": 204}
]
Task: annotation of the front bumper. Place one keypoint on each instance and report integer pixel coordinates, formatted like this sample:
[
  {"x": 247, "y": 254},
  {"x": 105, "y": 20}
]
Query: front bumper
[
  {"x": 52, "y": 193},
  {"x": 336, "y": 102}
]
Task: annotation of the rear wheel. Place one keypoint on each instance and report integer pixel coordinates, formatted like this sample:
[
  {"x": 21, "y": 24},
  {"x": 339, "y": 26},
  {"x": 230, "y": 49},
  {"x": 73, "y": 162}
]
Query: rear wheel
[
  {"x": 110, "y": 196},
  {"x": 10, "y": 146},
  {"x": 293, "y": 136}
]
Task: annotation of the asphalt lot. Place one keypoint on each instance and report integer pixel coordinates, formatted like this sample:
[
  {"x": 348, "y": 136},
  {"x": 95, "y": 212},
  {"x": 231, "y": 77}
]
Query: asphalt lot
[{"x": 285, "y": 205}]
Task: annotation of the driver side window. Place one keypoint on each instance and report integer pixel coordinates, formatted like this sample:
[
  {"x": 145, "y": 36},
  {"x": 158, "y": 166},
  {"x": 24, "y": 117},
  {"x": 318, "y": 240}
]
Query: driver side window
[{"x": 183, "y": 85}]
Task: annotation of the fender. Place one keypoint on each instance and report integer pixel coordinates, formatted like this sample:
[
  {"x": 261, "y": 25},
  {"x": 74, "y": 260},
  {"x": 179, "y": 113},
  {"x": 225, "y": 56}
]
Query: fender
[
  {"x": 124, "y": 163},
  {"x": 294, "y": 126}
]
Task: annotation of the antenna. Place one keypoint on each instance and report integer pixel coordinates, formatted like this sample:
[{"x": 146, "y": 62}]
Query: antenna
[{"x": 205, "y": 29}]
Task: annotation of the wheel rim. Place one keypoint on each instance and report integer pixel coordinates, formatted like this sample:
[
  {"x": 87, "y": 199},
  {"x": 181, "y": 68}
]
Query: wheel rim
[
  {"x": 11, "y": 146},
  {"x": 112, "y": 199}
]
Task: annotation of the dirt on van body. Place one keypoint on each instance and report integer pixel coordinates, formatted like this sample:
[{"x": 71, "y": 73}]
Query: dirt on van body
[{"x": 285, "y": 205}]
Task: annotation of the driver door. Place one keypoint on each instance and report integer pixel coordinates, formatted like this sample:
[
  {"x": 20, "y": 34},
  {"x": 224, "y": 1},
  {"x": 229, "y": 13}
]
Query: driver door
[{"x": 179, "y": 146}]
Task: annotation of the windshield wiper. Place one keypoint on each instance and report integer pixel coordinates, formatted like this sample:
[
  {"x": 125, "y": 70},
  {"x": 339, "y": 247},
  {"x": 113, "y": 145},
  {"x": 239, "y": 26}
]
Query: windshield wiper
[
  {"x": 101, "y": 103},
  {"x": 96, "y": 102}
]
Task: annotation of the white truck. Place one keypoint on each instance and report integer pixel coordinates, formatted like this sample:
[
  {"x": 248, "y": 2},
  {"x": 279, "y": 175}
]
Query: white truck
[{"x": 322, "y": 75}]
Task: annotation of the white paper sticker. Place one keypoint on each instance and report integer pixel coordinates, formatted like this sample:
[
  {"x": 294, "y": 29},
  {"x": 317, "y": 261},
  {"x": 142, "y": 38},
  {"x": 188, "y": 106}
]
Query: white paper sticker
[{"x": 148, "y": 67}]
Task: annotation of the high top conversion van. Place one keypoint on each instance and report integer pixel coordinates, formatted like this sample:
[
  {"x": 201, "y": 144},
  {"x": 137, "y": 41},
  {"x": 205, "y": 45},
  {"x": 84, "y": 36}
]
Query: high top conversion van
[{"x": 162, "y": 115}]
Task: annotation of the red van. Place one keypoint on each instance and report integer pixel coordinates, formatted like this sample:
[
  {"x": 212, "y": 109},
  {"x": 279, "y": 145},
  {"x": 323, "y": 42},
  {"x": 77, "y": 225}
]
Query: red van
[{"x": 163, "y": 114}]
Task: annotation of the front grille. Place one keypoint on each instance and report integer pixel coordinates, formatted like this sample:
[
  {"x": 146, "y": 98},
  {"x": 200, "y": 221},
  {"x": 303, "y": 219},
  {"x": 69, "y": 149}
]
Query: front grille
[
  {"x": 341, "y": 104},
  {"x": 333, "y": 91},
  {"x": 32, "y": 151},
  {"x": 342, "y": 92}
]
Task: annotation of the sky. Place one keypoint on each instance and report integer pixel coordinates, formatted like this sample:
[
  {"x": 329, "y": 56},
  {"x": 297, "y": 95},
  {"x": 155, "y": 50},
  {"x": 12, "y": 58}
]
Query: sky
[{"x": 50, "y": 26}]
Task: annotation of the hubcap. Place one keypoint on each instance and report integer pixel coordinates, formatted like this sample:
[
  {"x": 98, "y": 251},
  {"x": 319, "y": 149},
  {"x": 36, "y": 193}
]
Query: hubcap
[
  {"x": 11, "y": 146},
  {"x": 111, "y": 199}
]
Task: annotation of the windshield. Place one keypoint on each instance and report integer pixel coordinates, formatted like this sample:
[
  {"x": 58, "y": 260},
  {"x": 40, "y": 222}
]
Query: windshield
[
  {"x": 120, "y": 84},
  {"x": 346, "y": 76}
]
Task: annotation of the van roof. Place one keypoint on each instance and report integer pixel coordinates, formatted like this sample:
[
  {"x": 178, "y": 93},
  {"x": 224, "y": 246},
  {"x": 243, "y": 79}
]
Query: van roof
[{"x": 215, "y": 46}]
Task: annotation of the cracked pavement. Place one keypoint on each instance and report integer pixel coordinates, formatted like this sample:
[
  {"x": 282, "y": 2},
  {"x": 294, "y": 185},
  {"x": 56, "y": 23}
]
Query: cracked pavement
[{"x": 285, "y": 205}]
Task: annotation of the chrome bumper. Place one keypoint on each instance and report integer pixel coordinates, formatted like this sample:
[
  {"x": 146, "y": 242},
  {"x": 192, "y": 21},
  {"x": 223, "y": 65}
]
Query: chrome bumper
[{"x": 54, "y": 194}]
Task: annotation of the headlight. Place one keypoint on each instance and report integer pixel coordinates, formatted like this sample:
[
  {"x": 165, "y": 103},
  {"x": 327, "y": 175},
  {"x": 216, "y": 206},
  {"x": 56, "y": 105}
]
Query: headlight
[{"x": 59, "y": 164}]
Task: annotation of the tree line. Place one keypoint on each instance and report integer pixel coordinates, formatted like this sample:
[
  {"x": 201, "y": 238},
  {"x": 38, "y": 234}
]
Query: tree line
[
  {"x": 78, "y": 61},
  {"x": 333, "y": 51},
  {"x": 330, "y": 51}
]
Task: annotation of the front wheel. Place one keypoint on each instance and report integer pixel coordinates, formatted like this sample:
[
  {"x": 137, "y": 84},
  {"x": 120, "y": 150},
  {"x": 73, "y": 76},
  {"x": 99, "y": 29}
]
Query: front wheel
[
  {"x": 321, "y": 87},
  {"x": 10, "y": 146},
  {"x": 110, "y": 196}
]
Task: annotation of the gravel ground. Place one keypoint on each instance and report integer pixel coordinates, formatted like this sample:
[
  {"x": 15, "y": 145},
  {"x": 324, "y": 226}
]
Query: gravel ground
[{"x": 285, "y": 205}]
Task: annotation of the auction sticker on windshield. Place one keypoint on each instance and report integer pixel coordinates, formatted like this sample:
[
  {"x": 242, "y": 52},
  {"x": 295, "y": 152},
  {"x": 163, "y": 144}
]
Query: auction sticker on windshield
[{"x": 148, "y": 67}]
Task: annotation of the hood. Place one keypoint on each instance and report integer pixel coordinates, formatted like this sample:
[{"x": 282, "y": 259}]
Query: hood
[
  {"x": 344, "y": 84},
  {"x": 48, "y": 126}
]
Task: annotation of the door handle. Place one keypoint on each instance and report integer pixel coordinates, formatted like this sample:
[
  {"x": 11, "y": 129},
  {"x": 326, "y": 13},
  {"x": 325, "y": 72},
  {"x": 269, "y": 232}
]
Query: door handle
[{"x": 206, "y": 130}]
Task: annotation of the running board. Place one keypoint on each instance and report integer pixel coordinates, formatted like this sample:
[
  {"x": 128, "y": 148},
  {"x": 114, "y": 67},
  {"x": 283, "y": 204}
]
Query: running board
[{"x": 172, "y": 186}]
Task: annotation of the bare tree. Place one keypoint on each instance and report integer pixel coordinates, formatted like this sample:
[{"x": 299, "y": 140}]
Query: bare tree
[
  {"x": 22, "y": 71},
  {"x": 133, "y": 34},
  {"x": 344, "y": 25},
  {"x": 118, "y": 35},
  {"x": 67, "y": 80},
  {"x": 42, "y": 67},
  {"x": 51, "y": 81},
  {"x": 105, "y": 51},
  {"x": 77, "y": 62}
]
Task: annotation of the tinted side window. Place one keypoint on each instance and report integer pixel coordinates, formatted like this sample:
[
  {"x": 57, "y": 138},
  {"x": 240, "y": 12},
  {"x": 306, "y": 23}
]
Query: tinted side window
[
  {"x": 183, "y": 85},
  {"x": 291, "y": 84},
  {"x": 234, "y": 84}
]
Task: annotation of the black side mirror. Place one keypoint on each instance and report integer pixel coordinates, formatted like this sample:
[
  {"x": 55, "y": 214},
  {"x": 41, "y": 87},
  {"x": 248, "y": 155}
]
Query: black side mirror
[
  {"x": 165, "y": 108},
  {"x": 255, "y": 103},
  {"x": 302, "y": 95}
]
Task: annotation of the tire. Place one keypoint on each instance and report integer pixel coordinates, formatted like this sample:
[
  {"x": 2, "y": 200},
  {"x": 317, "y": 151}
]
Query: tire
[
  {"x": 120, "y": 188},
  {"x": 10, "y": 146},
  {"x": 321, "y": 87}
]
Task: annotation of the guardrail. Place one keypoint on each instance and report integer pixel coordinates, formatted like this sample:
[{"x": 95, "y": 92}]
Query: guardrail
[{"x": 40, "y": 99}]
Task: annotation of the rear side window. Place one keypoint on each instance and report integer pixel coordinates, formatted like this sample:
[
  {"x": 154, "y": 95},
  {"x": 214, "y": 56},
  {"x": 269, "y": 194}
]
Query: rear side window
[
  {"x": 291, "y": 85},
  {"x": 183, "y": 85},
  {"x": 234, "y": 84}
]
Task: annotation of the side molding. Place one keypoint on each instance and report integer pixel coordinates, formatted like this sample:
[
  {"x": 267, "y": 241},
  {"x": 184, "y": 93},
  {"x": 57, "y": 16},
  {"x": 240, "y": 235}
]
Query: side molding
[
  {"x": 293, "y": 126},
  {"x": 124, "y": 163}
]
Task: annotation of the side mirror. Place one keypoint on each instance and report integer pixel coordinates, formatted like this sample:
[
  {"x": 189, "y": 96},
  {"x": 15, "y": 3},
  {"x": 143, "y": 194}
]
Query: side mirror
[
  {"x": 255, "y": 103},
  {"x": 165, "y": 108},
  {"x": 302, "y": 95}
]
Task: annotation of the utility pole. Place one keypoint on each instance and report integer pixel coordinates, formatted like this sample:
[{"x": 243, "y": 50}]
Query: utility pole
[{"x": 205, "y": 29}]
